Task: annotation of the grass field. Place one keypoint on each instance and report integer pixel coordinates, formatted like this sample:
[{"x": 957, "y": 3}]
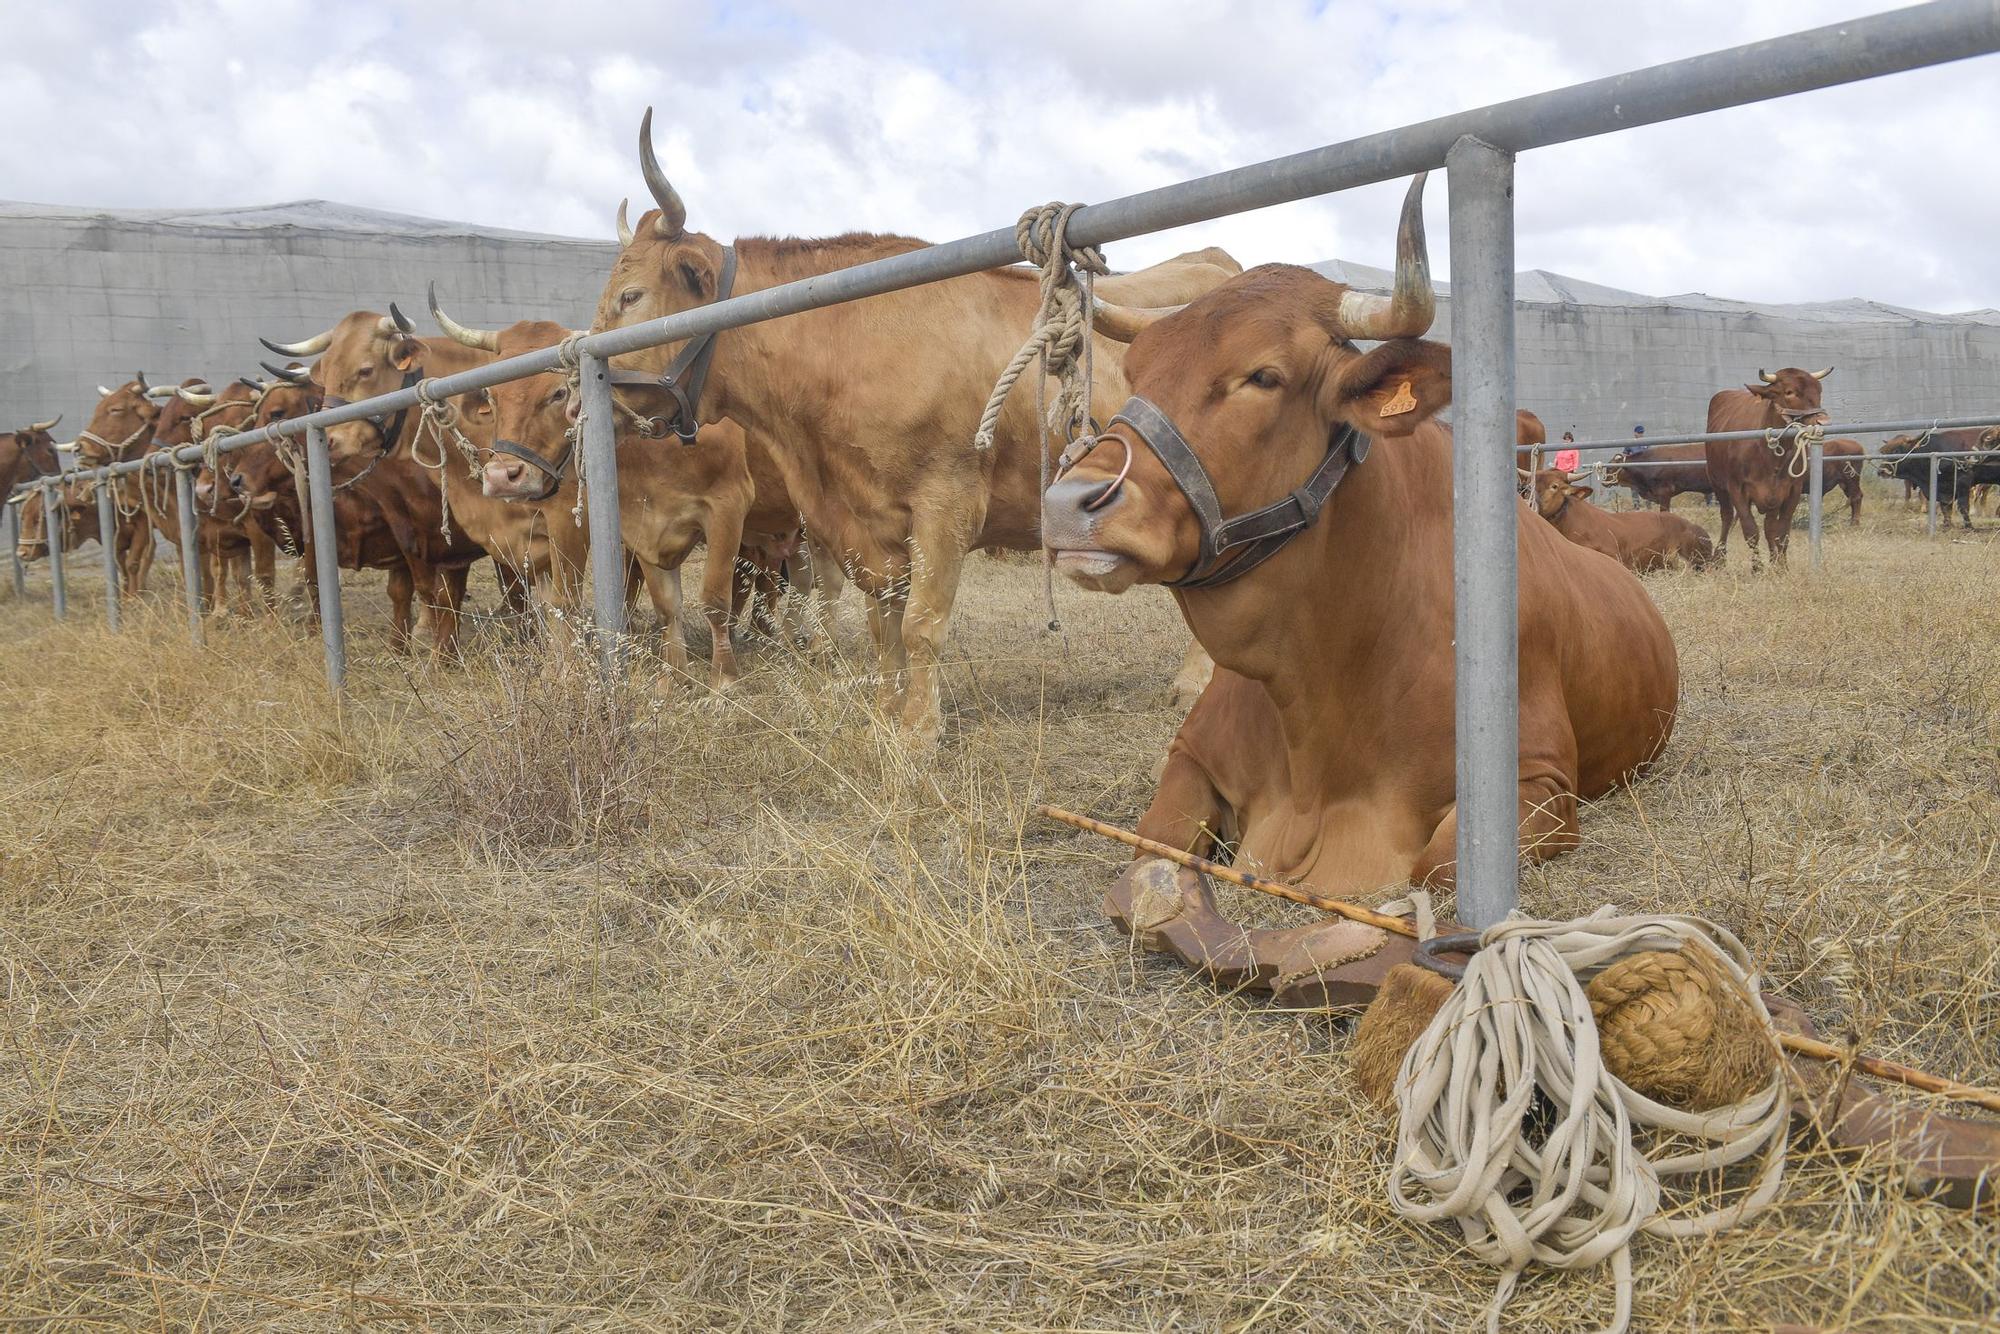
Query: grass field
[{"x": 486, "y": 1000}]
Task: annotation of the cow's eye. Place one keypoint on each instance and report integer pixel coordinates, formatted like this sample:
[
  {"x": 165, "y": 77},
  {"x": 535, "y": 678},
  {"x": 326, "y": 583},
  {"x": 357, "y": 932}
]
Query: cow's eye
[
  {"x": 559, "y": 394},
  {"x": 1266, "y": 378},
  {"x": 630, "y": 297}
]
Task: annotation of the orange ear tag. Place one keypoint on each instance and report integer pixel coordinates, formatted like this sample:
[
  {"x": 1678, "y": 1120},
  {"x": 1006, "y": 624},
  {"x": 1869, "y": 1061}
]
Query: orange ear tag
[{"x": 1400, "y": 402}]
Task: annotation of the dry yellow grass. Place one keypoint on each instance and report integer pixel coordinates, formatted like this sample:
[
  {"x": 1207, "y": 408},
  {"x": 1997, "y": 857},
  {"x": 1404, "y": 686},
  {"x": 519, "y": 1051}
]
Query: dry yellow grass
[{"x": 489, "y": 1002}]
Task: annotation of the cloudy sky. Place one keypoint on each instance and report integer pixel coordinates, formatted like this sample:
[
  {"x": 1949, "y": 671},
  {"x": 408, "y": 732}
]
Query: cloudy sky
[{"x": 789, "y": 116}]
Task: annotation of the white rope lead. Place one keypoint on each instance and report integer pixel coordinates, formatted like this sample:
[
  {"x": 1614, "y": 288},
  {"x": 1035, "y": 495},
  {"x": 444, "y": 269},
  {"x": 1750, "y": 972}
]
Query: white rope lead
[{"x": 1557, "y": 1178}]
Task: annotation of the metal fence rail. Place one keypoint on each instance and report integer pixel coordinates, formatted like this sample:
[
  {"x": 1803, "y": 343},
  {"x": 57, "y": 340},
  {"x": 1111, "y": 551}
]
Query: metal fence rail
[{"x": 1477, "y": 147}]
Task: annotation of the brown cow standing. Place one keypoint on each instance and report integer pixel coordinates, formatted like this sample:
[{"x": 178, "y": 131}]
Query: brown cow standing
[
  {"x": 869, "y": 410},
  {"x": 1757, "y": 476},
  {"x": 120, "y": 430},
  {"x": 1639, "y": 540},
  {"x": 1841, "y": 471},
  {"x": 1324, "y": 747},
  {"x": 366, "y": 355},
  {"x": 1683, "y": 468},
  {"x": 27, "y": 454}
]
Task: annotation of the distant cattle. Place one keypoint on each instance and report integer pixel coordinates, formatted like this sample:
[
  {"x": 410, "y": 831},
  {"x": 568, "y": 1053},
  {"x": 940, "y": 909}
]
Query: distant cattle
[
  {"x": 1680, "y": 468},
  {"x": 1639, "y": 540},
  {"x": 1767, "y": 475},
  {"x": 1957, "y": 478}
]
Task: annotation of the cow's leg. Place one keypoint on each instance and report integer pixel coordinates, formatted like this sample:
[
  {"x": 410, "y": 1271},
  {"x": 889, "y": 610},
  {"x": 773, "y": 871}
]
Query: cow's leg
[
  {"x": 1728, "y": 505},
  {"x": 1548, "y": 822},
  {"x": 821, "y": 579},
  {"x": 718, "y": 579},
  {"x": 885, "y": 626},
  {"x": 937, "y": 560},
  {"x": 1746, "y": 515},
  {"x": 1196, "y": 669},
  {"x": 402, "y": 592},
  {"x": 663, "y": 587},
  {"x": 1778, "y": 532},
  {"x": 264, "y": 568},
  {"x": 1852, "y": 486},
  {"x": 449, "y": 598}
]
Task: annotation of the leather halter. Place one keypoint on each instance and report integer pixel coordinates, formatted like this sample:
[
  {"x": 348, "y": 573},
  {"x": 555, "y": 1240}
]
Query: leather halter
[
  {"x": 390, "y": 428},
  {"x": 683, "y": 381},
  {"x": 688, "y": 372},
  {"x": 1253, "y": 538}
]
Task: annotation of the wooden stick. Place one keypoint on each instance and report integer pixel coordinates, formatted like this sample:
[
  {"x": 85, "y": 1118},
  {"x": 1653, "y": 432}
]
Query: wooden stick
[{"x": 1804, "y": 1046}]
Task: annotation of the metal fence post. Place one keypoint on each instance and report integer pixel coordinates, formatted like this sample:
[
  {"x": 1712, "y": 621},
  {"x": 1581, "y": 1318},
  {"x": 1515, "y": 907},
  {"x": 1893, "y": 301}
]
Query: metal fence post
[
  {"x": 190, "y": 547},
  {"x": 1930, "y": 523},
  {"x": 14, "y": 551},
  {"x": 1485, "y": 553},
  {"x": 54, "y": 524},
  {"x": 107, "y": 541},
  {"x": 1816, "y": 484},
  {"x": 607, "y": 546},
  {"x": 326, "y": 557}
]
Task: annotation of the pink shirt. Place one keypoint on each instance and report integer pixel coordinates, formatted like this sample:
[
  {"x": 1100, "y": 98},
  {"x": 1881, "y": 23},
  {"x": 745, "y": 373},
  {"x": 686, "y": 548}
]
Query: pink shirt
[{"x": 1567, "y": 459}]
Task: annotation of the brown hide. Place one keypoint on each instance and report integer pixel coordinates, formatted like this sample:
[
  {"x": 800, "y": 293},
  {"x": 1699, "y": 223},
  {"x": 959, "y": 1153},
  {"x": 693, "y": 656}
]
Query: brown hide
[
  {"x": 123, "y": 422},
  {"x": 1528, "y": 429},
  {"x": 1749, "y": 476},
  {"x": 1842, "y": 474},
  {"x": 869, "y": 408},
  {"x": 1325, "y": 741},
  {"x": 1659, "y": 486},
  {"x": 24, "y": 455},
  {"x": 1640, "y": 540}
]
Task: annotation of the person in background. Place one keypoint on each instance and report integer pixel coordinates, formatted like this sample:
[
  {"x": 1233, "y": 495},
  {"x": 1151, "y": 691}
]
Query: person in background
[
  {"x": 1639, "y": 431},
  {"x": 1567, "y": 458}
]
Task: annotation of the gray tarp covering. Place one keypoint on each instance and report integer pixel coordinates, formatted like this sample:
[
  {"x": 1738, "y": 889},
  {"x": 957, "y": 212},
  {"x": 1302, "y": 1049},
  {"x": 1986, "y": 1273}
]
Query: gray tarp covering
[{"x": 91, "y": 296}]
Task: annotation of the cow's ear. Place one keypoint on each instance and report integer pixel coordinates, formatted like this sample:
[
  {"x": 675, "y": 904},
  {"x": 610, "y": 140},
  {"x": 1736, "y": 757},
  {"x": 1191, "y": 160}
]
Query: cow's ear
[
  {"x": 263, "y": 502},
  {"x": 405, "y": 353},
  {"x": 1391, "y": 390},
  {"x": 1763, "y": 390},
  {"x": 1583, "y": 490}
]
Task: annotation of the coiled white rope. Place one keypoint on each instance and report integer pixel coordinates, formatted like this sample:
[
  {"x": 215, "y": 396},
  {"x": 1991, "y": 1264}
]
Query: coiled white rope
[{"x": 1563, "y": 1183}]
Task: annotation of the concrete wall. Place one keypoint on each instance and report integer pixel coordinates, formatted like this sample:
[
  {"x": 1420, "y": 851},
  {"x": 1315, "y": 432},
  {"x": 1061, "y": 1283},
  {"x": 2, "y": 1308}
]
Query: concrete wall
[{"x": 90, "y": 299}]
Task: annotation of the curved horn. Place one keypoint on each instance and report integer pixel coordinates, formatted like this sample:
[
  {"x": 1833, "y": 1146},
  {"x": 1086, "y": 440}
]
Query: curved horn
[
  {"x": 1410, "y": 307},
  {"x": 1821, "y": 375},
  {"x": 1526, "y": 476},
  {"x": 308, "y": 347},
  {"x": 258, "y": 386},
  {"x": 289, "y": 374},
  {"x": 486, "y": 340},
  {"x": 157, "y": 392},
  {"x": 624, "y": 227},
  {"x": 194, "y": 398},
  {"x": 1121, "y": 324},
  {"x": 673, "y": 213},
  {"x": 102, "y": 392},
  {"x": 1766, "y": 376},
  {"x": 48, "y": 425},
  {"x": 403, "y": 324},
  {"x": 140, "y": 376}
]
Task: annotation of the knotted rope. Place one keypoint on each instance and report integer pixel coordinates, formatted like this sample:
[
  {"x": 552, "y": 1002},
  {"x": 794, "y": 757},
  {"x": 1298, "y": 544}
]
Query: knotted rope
[
  {"x": 1060, "y": 339},
  {"x": 1511, "y": 1125},
  {"x": 569, "y": 355},
  {"x": 1808, "y": 434},
  {"x": 438, "y": 418}
]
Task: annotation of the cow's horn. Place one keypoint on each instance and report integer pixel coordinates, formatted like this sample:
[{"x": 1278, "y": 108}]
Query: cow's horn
[
  {"x": 486, "y": 340},
  {"x": 624, "y": 227},
  {"x": 159, "y": 391},
  {"x": 256, "y": 386},
  {"x": 194, "y": 398},
  {"x": 1408, "y": 310},
  {"x": 1821, "y": 375},
  {"x": 308, "y": 347},
  {"x": 140, "y": 377},
  {"x": 102, "y": 392},
  {"x": 1121, "y": 324},
  {"x": 48, "y": 425},
  {"x": 396, "y": 322},
  {"x": 289, "y": 374},
  {"x": 1525, "y": 474},
  {"x": 673, "y": 213},
  {"x": 1766, "y": 376}
]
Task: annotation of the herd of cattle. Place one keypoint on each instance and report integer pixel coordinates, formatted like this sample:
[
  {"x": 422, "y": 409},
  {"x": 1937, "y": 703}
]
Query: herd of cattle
[{"x": 835, "y": 444}]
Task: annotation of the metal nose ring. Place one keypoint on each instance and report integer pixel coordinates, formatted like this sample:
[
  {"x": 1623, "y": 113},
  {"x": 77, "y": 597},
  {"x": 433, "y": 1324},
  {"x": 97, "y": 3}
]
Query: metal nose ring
[{"x": 1104, "y": 497}]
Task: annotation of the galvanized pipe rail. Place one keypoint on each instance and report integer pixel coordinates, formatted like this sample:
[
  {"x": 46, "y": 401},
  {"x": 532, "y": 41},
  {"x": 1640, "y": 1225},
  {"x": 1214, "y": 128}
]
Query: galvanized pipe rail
[
  {"x": 1832, "y": 431},
  {"x": 1480, "y": 145}
]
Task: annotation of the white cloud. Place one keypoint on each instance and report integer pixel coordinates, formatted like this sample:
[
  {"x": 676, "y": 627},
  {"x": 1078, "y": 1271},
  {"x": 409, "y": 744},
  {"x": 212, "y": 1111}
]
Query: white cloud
[{"x": 806, "y": 118}]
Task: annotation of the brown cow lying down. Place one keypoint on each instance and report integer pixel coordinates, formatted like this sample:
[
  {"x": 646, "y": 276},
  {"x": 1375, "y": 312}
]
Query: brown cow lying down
[
  {"x": 1640, "y": 540},
  {"x": 1323, "y": 749}
]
